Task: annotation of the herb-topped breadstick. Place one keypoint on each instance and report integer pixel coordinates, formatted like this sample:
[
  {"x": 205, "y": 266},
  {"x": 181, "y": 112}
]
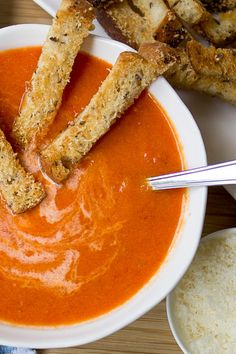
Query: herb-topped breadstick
[
  {"x": 130, "y": 75},
  {"x": 18, "y": 188},
  {"x": 43, "y": 98}
]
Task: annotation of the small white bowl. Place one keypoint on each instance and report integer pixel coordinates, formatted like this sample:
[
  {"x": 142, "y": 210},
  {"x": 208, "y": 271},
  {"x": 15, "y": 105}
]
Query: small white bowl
[
  {"x": 222, "y": 234},
  {"x": 186, "y": 240}
]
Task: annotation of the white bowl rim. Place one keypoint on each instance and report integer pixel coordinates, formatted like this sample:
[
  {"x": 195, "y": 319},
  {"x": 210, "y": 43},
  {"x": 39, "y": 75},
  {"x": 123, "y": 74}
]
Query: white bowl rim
[
  {"x": 220, "y": 234},
  {"x": 146, "y": 298}
]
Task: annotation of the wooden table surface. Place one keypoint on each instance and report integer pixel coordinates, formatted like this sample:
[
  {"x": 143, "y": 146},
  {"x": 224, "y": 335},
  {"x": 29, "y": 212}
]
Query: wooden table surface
[{"x": 150, "y": 334}]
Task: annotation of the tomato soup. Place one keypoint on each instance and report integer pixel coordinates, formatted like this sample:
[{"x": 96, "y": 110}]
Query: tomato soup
[{"x": 98, "y": 239}]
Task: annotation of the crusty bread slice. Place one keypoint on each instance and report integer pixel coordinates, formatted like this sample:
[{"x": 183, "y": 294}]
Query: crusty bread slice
[
  {"x": 102, "y": 3},
  {"x": 181, "y": 70},
  {"x": 212, "y": 61},
  {"x": 219, "y": 5},
  {"x": 43, "y": 98},
  {"x": 139, "y": 21},
  {"x": 226, "y": 90},
  {"x": 130, "y": 75},
  {"x": 190, "y": 11},
  {"x": 154, "y": 11},
  {"x": 182, "y": 75},
  {"x": 122, "y": 23},
  {"x": 159, "y": 54},
  {"x": 18, "y": 188},
  {"x": 161, "y": 21},
  {"x": 222, "y": 30},
  {"x": 172, "y": 31}
]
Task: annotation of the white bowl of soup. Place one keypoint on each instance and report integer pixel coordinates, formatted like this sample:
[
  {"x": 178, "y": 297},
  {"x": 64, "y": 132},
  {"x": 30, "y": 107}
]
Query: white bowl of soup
[{"x": 101, "y": 249}]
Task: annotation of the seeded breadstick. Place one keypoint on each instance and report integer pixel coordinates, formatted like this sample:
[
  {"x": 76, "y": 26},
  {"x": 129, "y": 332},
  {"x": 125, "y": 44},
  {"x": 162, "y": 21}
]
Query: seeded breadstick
[
  {"x": 182, "y": 75},
  {"x": 220, "y": 30},
  {"x": 122, "y": 23},
  {"x": 212, "y": 61},
  {"x": 43, "y": 98},
  {"x": 130, "y": 75},
  {"x": 18, "y": 188},
  {"x": 140, "y": 21}
]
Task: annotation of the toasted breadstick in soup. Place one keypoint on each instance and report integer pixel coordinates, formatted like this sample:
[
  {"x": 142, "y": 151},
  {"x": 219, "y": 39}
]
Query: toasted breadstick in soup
[
  {"x": 140, "y": 23},
  {"x": 159, "y": 54},
  {"x": 130, "y": 75},
  {"x": 43, "y": 98},
  {"x": 212, "y": 61},
  {"x": 18, "y": 188}
]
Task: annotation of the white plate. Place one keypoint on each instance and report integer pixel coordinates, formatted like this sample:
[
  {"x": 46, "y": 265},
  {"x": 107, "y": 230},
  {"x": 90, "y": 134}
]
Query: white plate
[{"x": 216, "y": 119}]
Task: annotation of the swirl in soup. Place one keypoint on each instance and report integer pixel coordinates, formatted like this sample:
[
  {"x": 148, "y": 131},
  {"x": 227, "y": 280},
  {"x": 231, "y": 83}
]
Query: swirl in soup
[{"x": 99, "y": 238}]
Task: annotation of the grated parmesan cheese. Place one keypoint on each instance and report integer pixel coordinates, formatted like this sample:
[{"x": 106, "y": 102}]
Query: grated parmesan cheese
[{"x": 204, "y": 302}]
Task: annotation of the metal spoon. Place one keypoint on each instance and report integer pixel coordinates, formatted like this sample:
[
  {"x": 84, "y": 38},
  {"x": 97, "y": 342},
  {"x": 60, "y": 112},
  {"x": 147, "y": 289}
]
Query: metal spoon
[{"x": 214, "y": 175}]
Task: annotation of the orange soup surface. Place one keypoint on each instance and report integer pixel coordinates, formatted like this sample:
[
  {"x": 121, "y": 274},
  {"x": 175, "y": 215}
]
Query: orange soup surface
[{"x": 96, "y": 240}]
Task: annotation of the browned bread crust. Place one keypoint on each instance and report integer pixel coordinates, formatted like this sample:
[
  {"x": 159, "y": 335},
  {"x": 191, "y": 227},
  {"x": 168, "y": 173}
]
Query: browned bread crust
[
  {"x": 212, "y": 61},
  {"x": 219, "y": 5},
  {"x": 43, "y": 98},
  {"x": 122, "y": 23},
  {"x": 182, "y": 75},
  {"x": 141, "y": 21},
  {"x": 159, "y": 54},
  {"x": 222, "y": 30},
  {"x": 113, "y": 28},
  {"x": 102, "y": 3},
  {"x": 190, "y": 11},
  {"x": 171, "y": 31},
  {"x": 130, "y": 75},
  {"x": 18, "y": 188}
]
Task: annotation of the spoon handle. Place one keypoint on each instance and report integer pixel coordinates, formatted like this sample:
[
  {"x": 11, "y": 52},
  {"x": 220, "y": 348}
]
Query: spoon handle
[{"x": 213, "y": 175}]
